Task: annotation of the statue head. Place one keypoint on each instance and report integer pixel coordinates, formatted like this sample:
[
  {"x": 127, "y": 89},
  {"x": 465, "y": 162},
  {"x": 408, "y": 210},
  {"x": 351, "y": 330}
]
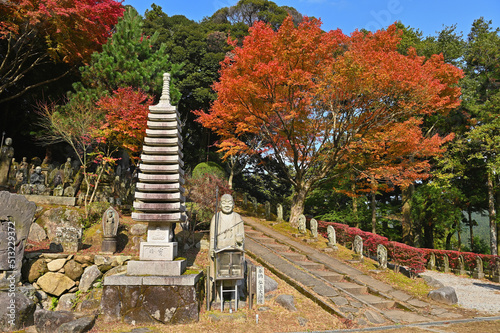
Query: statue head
[
  {"x": 8, "y": 141},
  {"x": 227, "y": 204},
  {"x": 38, "y": 169}
]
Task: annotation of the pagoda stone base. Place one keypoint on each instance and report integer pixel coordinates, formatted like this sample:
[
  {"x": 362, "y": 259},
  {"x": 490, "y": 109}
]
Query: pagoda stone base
[
  {"x": 158, "y": 268},
  {"x": 158, "y": 250},
  {"x": 152, "y": 299}
]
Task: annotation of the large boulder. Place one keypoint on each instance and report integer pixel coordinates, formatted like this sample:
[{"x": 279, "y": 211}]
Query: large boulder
[
  {"x": 90, "y": 275},
  {"x": 55, "y": 283},
  {"x": 80, "y": 325},
  {"x": 445, "y": 295},
  {"x": 49, "y": 321},
  {"x": 65, "y": 302},
  {"x": 73, "y": 270},
  {"x": 286, "y": 301},
  {"x": 269, "y": 284},
  {"x": 16, "y": 311},
  {"x": 37, "y": 233},
  {"x": 60, "y": 217},
  {"x": 56, "y": 264},
  {"x": 36, "y": 269},
  {"x": 16, "y": 212}
]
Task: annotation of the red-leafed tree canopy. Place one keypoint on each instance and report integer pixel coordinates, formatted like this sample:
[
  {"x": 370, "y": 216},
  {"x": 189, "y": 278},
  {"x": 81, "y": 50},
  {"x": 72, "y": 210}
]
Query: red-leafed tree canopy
[
  {"x": 304, "y": 97},
  {"x": 35, "y": 32},
  {"x": 126, "y": 116}
]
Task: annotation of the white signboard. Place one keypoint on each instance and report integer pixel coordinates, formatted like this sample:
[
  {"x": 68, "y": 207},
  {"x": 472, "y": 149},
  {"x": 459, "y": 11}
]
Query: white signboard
[{"x": 260, "y": 284}]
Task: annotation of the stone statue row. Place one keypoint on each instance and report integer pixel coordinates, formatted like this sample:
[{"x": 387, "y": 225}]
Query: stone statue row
[{"x": 44, "y": 178}]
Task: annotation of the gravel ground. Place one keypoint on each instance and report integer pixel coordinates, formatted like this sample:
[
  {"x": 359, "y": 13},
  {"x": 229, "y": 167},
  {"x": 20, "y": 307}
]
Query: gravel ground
[{"x": 480, "y": 295}]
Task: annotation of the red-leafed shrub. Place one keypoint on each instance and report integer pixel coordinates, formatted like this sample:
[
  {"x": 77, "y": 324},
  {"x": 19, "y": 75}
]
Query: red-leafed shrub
[{"x": 413, "y": 258}]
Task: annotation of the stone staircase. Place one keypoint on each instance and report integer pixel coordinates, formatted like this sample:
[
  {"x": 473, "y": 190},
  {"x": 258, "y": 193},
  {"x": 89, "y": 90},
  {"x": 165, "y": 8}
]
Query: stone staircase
[{"x": 337, "y": 287}]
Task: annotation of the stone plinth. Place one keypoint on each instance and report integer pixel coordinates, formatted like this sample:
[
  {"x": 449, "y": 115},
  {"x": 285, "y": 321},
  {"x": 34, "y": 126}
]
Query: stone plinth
[
  {"x": 156, "y": 268},
  {"x": 158, "y": 250},
  {"x": 108, "y": 245},
  {"x": 152, "y": 299}
]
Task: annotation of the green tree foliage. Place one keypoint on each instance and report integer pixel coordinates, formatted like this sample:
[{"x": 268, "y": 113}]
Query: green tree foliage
[
  {"x": 482, "y": 101},
  {"x": 437, "y": 214},
  {"x": 251, "y": 11},
  {"x": 211, "y": 168},
  {"x": 201, "y": 46},
  {"x": 127, "y": 60}
]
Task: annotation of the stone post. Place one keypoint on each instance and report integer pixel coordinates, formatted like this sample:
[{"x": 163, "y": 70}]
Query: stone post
[
  {"x": 431, "y": 264},
  {"x": 446, "y": 263},
  {"x": 496, "y": 270},
  {"x": 279, "y": 211},
  {"x": 478, "y": 271},
  {"x": 268, "y": 210}
]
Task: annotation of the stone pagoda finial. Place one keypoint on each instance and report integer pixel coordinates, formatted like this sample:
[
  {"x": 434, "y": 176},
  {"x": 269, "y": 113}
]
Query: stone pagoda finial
[{"x": 165, "y": 94}]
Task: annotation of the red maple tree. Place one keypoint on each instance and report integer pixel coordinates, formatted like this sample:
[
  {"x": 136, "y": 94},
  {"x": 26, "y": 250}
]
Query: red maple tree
[
  {"x": 126, "y": 113},
  {"x": 36, "y": 32},
  {"x": 304, "y": 97}
]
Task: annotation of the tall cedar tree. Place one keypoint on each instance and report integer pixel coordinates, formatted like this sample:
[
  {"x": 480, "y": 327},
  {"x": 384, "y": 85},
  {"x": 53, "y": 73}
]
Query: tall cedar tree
[
  {"x": 302, "y": 96},
  {"x": 37, "y": 32},
  {"x": 483, "y": 103}
]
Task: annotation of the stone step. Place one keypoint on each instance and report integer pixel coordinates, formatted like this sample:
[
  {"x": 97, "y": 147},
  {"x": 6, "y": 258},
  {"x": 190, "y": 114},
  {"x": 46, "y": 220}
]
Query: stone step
[
  {"x": 310, "y": 265},
  {"x": 153, "y": 197},
  {"x": 264, "y": 239},
  {"x": 278, "y": 247},
  {"x": 328, "y": 275},
  {"x": 161, "y": 168},
  {"x": 293, "y": 256},
  {"x": 159, "y": 207},
  {"x": 352, "y": 287},
  {"x": 378, "y": 302}
]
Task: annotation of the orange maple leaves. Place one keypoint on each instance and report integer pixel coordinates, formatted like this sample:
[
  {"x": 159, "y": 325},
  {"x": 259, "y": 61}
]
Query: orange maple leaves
[{"x": 309, "y": 97}]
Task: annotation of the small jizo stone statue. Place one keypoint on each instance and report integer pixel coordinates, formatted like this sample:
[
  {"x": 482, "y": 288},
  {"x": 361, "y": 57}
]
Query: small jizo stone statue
[
  {"x": 279, "y": 211},
  {"x": 6, "y": 155},
  {"x": 357, "y": 246},
  {"x": 382, "y": 256},
  {"x": 332, "y": 237},
  {"x": 110, "y": 222},
  {"x": 302, "y": 224},
  {"x": 314, "y": 228}
]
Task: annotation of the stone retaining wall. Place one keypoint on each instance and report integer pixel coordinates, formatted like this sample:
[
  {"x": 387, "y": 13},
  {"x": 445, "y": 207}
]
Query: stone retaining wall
[{"x": 62, "y": 275}]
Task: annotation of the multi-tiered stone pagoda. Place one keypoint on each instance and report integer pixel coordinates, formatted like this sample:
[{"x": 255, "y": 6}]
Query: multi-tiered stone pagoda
[
  {"x": 159, "y": 198},
  {"x": 154, "y": 289}
]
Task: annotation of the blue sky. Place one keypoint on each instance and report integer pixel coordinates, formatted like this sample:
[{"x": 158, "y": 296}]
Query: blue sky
[{"x": 428, "y": 16}]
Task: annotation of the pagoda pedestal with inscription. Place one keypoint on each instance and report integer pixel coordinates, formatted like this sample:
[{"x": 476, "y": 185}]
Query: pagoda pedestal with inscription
[{"x": 156, "y": 282}]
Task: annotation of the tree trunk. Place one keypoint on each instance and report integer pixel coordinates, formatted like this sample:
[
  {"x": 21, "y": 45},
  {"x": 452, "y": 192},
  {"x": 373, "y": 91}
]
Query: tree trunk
[
  {"x": 428, "y": 241},
  {"x": 407, "y": 193},
  {"x": 374, "y": 207},
  {"x": 297, "y": 208},
  {"x": 354, "y": 204},
  {"x": 492, "y": 215},
  {"x": 471, "y": 228}
]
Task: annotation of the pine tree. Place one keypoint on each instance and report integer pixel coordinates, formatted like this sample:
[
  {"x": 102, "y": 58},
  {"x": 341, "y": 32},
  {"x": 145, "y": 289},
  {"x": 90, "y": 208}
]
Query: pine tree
[{"x": 127, "y": 60}]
